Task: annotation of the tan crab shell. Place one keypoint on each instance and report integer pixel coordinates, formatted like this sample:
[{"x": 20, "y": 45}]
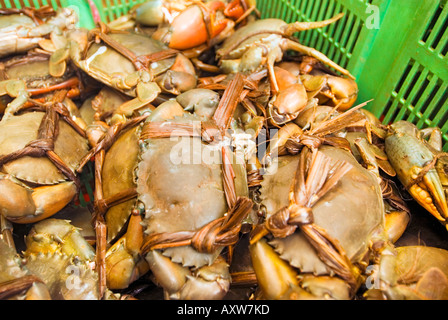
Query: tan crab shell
[
  {"x": 259, "y": 31},
  {"x": 66, "y": 278},
  {"x": 17, "y": 131},
  {"x": 118, "y": 175},
  {"x": 34, "y": 70},
  {"x": 352, "y": 212},
  {"x": 10, "y": 263},
  {"x": 103, "y": 60},
  {"x": 180, "y": 197}
]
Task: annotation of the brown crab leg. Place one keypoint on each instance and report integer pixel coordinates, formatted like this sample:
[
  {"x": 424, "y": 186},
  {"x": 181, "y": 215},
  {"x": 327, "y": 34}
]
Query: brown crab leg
[
  {"x": 228, "y": 103},
  {"x": 205, "y": 67},
  {"x": 6, "y": 231},
  {"x": 140, "y": 62},
  {"x": 293, "y": 45},
  {"x": 100, "y": 225},
  {"x": 109, "y": 137},
  {"x": 33, "y": 13},
  {"x": 16, "y": 286},
  {"x": 302, "y": 26},
  {"x": 271, "y": 73},
  {"x": 70, "y": 83}
]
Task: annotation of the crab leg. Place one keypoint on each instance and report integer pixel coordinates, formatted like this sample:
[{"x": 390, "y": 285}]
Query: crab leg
[
  {"x": 33, "y": 13},
  {"x": 228, "y": 102},
  {"x": 6, "y": 231},
  {"x": 302, "y": 26},
  {"x": 293, "y": 45},
  {"x": 70, "y": 83},
  {"x": 124, "y": 264},
  {"x": 140, "y": 62},
  {"x": 100, "y": 225},
  {"x": 13, "y": 287},
  {"x": 430, "y": 194},
  {"x": 17, "y": 90}
]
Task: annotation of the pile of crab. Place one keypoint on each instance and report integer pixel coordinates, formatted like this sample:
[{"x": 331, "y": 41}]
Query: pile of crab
[{"x": 225, "y": 160}]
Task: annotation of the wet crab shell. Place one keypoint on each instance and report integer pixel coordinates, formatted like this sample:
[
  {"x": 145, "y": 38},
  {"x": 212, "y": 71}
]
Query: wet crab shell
[
  {"x": 118, "y": 175},
  {"x": 11, "y": 266},
  {"x": 105, "y": 63},
  {"x": 10, "y": 22},
  {"x": 181, "y": 196},
  {"x": 352, "y": 212},
  {"x": 20, "y": 33},
  {"x": 65, "y": 277},
  {"x": 17, "y": 131},
  {"x": 33, "y": 68},
  {"x": 259, "y": 31}
]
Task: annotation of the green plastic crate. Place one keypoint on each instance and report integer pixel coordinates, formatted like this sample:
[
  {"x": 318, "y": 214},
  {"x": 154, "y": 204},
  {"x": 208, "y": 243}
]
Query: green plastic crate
[{"x": 396, "y": 49}]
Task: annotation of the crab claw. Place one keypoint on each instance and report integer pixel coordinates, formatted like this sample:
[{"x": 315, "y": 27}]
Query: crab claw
[
  {"x": 194, "y": 26},
  {"x": 275, "y": 277},
  {"x": 430, "y": 194},
  {"x": 209, "y": 282},
  {"x": 124, "y": 265},
  {"x": 21, "y": 204},
  {"x": 419, "y": 167}
]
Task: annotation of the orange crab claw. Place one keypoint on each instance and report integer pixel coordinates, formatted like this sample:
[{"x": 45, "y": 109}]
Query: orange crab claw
[
  {"x": 193, "y": 27},
  {"x": 218, "y": 26},
  {"x": 216, "y": 5},
  {"x": 189, "y": 29},
  {"x": 234, "y": 9}
]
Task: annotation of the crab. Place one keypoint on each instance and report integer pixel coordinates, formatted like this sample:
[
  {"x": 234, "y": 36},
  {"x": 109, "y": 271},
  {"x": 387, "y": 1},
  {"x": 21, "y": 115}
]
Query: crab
[
  {"x": 134, "y": 64},
  {"x": 40, "y": 152},
  {"x": 261, "y": 43},
  {"x": 130, "y": 255},
  {"x": 307, "y": 206},
  {"x": 342, "y": 252},
  {"x": 199, "y": 24},
  {"x": 364, "y": 138},
  {"x": 421, "y": 165},
  {"x": 28, "y": 28},
  {"x": 57, "y": 253},
  {"x": 184, "y": 266},
  {"x": 410, "y": 273},
  {"x": 29, "y": 75},
  {"x": 56, "y": 264}
]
